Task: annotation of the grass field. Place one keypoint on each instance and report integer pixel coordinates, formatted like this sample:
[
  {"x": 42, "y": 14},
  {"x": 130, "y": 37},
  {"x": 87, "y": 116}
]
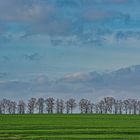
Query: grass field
[{"x": 67, "y": 127}]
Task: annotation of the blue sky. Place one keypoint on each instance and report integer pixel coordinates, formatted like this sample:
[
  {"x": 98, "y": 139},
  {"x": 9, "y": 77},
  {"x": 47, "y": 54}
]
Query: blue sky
[{"x": 55, "y": 38}]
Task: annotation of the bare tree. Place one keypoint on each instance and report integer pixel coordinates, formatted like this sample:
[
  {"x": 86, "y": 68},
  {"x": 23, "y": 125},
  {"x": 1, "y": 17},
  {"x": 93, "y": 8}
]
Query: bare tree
[
  {"x": 109, "y": 102},
  {"x": 57, "y": 107},
  {"x": 85, "y": 106},
  {"x": 4, "y": 106},
  {"x": 130, "y": 106},
  {"x": 134, "y": 103},
  {"x": 31, "y": 105},
  {"x": 0, "y": 107},
  {"x": 70, "y": 105},
  {"x": 138, "y": 107},
  {"x": 21, "y": 107},
  {"x": 13, "y": 107},
  {"x": 97, "y": 109},
  {"x": 120, "y": 106},
  {"x": 126, "y": 106},
  {"x": 91, "y": 107},
  {"x": 8, "y": 107},
  {"x": 50, "y": 105},
  {"x": 101, "y": 107},
  {"x": 40, "y": 105},
  {"x": 60, "y": 106}
]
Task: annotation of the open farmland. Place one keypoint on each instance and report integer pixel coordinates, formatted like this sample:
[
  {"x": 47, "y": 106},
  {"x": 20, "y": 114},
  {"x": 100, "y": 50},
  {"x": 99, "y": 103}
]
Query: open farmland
[{"x": 64, "y": 127}]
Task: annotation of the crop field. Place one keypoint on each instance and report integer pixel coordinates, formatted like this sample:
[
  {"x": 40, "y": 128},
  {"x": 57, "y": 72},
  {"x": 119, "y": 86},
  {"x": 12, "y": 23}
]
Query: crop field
[{"x": 69, "y": 127}]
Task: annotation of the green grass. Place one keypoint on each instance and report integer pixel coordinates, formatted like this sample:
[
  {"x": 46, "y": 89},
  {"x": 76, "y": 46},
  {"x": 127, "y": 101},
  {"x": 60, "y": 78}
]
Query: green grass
[{"x": 69, "y": 127}]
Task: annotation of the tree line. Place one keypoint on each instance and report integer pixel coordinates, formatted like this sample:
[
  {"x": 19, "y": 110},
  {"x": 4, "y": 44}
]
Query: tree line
[{"x": 107, "y": 105}]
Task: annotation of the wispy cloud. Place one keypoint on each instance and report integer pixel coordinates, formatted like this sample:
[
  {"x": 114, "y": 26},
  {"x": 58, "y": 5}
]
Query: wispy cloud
[
  {"x": 32, "y": 57},
  {"x": 53, "y": 18}
]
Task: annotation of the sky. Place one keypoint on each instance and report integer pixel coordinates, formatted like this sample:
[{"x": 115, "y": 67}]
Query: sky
[{"x": 44, "y": 41}]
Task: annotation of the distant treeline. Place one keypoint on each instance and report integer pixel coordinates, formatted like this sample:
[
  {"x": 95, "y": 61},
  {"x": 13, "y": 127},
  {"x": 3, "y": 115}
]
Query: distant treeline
[{"x": 107, "y": 105}]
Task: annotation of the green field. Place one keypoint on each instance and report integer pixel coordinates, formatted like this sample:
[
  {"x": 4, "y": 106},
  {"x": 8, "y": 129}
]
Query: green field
[{"x": 66, "y": 127}]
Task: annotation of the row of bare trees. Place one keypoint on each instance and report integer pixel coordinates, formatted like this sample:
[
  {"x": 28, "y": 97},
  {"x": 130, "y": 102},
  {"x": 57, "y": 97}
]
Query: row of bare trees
[{"x": 107, "y": 105}]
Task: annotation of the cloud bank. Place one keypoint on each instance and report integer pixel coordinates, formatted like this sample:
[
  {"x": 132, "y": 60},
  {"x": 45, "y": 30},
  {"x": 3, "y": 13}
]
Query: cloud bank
[{"x": 122, "y": 82}]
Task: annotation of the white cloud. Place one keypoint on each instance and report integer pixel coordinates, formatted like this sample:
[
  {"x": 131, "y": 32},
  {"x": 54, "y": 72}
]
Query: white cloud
[{"x": 75, "y": 77}]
